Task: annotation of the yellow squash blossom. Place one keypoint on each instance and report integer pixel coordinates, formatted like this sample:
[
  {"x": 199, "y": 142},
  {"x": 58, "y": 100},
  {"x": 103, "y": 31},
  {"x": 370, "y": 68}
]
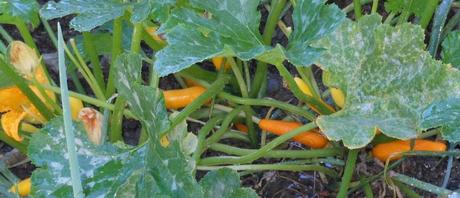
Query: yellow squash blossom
[
  {"x": 23, "y": 187},
  {"x": 14, "y": 105}
]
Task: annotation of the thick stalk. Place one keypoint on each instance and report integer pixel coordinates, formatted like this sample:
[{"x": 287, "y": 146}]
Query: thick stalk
[
  {"x": 117, "y": 49},
  {"x": 247, "y": 109},
  {"x": 269, "y": 103},
  {"x": 137, "y": 38},
  {"x": 348, "y": 173},
  {"x": 13, "y": 143},
  {"x": 223, "y": 128},
  {"x": 202, "y": 133},
  {"x": 260, "y": 152},
  {"x": 91, "y": 51},
  {"x": 357, "y": 8},
  {"x": 314, "y": 153},
  {"x": 24, "y": 31},
  {"x": 318, "y": 105},
  {"x": 438, "y": 23},
  {"x": 375, "y": 5},
  {"x": 277, "y": 7},
  {"x": 279, "y": 167}
]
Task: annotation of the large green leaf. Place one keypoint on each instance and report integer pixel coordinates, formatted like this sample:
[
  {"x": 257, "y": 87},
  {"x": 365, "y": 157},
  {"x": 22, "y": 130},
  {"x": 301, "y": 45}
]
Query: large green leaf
[
  {"x": 230, "y": 28},
  {"x": 388, "y": 77},
  {"x": 26, "y": 10},
  {"x": 415, "y": 6},
  {"x": 445, "y": 114},
  {"x": 451, "y": 49},
  {"x": 90, "y": 13},
  {"x": 224, "y": 183}
]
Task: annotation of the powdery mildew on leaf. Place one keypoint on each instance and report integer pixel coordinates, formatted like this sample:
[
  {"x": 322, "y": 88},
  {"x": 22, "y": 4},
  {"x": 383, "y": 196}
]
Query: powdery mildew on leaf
[
  {"x": 388, "y": 77},
  {"x": 231, "y": 28}
]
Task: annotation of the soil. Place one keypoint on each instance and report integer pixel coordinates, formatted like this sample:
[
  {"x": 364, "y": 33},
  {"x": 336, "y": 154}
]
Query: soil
[{"x": 273, "y": 183}]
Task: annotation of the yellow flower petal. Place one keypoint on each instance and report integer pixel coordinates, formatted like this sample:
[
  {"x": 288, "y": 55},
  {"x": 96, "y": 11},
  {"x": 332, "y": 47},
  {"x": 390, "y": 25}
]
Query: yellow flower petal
[
  {"x": 12, "y": 99},
  {"x": 10, "y": 123},
  {"x": 164, "y": 141},
  {"x": 23, "y": 187},
  {"x": 23, "y": 58},
  {"x": 76, "y": 105}
]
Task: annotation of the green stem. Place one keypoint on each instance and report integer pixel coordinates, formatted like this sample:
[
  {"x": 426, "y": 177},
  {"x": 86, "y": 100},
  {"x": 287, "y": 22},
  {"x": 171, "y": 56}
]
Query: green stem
[
  {"x": 137, "y": 38},
  {"x": 232, "y": 134},
  {"x": 406, "y": 190},
  {"x": 348, "y": 173},
  {"x": 315, "y": 103},
  {"x": 247, "y": 109},
  {"x": 84, "y": 69},
  {"x": 5, "y": 35},
  {"x": 438, "y": 22},
  {"x": 277, "y": 7},
  {"x": 213, "y": 90},
  {"x": 24, "y": 31},
  {"x": 117, "y": 49},
  {"x": 50, "y": 32},
  {"x": 307, "y": 76},
  {"x": 428, "y": 12},
  {"x": 21, "y": 83},
  {"x": 357, "y": 8},
  {"x": 223, "y": 128},
  {"x": 90, "y": 49},
  {"x": 68, "y": 128},
  {"x": 448, "y": 171},
  {"x": 351, "y": 6},
  {"x": 116, "y": 122},
  {"x": 152, "y": 43},
  {"x": 328, "y": 152},
  {"x": 202, "y": 133},
  {"x": 278, "y": 167},
  {"x": 421, "y": 184},
  {"x": 367, "y": 189},
  {"x": 260, "y": 152},
  {"x": 269, "y": 103},
  {"x": 405, "y": 13},
  {"x": 13, "y": 143},
  {"x": 375, "y": 5}
]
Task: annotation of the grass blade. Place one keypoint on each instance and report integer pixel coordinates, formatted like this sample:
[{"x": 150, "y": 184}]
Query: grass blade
[{"x": 68, "y": 128}]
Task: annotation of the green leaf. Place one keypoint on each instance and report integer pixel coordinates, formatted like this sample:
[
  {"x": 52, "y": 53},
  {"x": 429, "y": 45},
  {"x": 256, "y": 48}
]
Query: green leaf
[
  {"x": 224, "y": 183},
  {"x": 159, "y": 10},
  {"x": 26, "y": 10},
  {"x": 451, "y": 49},
  {"x": 90, "y": 13},
  {"x": 232, "y": 29},
  {"x": 445, "y": 114},
  {"x": 415, "y": 6},
  {"x": 388, "y": 78},
  {"x": 312, "y": 20}
]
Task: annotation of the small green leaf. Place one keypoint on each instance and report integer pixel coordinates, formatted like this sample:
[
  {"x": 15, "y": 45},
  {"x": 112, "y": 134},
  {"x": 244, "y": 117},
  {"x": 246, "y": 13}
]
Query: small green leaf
[
  {"x": 451, "y": 49},
  {"x": 224, "y": 183},
  {"x": 26, "y": 10},
  {"x": 445, "y": 114},
  {"x": 415, "y": 6},
  {"x": 388, "y": 78},
  {"x": 312, "y": 20}
]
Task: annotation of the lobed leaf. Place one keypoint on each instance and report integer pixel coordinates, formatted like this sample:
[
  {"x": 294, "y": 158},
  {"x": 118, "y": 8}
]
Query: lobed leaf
[
  {"x": 26, "y": 10},
  {"x": 445, "y": 114},
  {"x": 451, "y": 49},
  {"x": 224, "y": 183},
  {"x": 388, "y": 77},
  {"x": 415, "y": 6},
  {"x": 227, "y": 28}
]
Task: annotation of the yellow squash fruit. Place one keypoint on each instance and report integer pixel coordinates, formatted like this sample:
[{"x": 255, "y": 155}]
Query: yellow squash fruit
[
  {"x": 218, "y": 60},
  {"x": 338, "y": 96}
]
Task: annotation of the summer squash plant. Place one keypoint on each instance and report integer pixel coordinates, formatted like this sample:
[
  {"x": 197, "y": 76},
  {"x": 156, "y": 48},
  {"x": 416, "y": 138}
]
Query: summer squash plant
[{"x": 384, "y": 89}]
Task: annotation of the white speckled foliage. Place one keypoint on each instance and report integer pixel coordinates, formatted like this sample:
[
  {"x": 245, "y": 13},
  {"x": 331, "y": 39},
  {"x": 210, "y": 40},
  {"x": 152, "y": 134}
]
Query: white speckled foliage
[
  {"x": 388, "y": 77},
  {"x": 231, "y": 28},
  {"x": 149, "y": 170}
]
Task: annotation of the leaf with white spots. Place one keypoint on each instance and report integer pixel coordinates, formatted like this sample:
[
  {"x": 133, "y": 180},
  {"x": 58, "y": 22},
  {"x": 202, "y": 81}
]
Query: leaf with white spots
[
  {"x": 451, "y": 49},
  {"x": 312, "y": 20},
  {"x": 388, "y": 77},
  {"x": 224, "y": 183},
  {"x": 231, "y": 28},
  {"x": 444, "y": 114}
]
